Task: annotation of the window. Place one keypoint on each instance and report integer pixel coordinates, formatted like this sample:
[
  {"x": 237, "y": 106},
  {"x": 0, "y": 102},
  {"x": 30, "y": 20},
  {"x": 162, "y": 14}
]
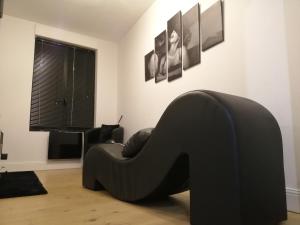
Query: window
[
  {"x": 1, "y": 8},
  {"x": 63, "y": 87}
]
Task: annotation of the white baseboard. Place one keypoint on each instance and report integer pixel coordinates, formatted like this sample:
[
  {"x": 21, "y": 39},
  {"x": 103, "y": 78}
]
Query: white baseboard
[
  {"x": 48, "y": 165},
  {"x": 293, "y": 199}
]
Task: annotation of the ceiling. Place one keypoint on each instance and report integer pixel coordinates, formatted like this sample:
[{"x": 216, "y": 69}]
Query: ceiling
[{"x": 105, "y": 19}]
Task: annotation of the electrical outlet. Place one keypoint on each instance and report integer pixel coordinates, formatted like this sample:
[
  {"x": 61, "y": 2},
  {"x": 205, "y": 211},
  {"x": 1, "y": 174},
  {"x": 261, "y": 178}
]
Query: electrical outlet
[{"x": 4, "y": 156}]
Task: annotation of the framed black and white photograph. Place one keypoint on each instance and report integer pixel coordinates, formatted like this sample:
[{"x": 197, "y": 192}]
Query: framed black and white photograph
[
  {"x": 150, "y": 65},
  {"x": 174, "y": 47},
  {"x": 212, "y": 26},
  {"x": 161, "y": 53},
  {"x": 191, "y": 52}
]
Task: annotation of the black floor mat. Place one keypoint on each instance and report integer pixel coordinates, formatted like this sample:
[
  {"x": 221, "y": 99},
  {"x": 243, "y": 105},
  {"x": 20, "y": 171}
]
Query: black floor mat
[{"x": 18, "y": 184}]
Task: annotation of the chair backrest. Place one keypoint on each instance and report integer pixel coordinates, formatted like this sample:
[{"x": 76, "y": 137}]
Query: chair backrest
[
  {"x": 118, "y": 135},
  {"x": 1, "y": 141}
]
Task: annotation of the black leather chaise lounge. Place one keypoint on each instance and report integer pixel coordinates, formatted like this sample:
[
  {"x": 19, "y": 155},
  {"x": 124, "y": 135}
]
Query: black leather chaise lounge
[{"x": 225, "y": 149}]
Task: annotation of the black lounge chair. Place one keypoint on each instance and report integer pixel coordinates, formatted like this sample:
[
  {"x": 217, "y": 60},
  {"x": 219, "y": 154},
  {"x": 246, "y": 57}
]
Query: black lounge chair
[{"x": 225, "y": 149}]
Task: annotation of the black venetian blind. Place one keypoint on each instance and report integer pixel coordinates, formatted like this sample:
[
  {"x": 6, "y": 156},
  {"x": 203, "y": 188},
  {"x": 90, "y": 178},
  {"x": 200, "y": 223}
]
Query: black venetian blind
[
  {"x": 62, "y": 87},
  {"x": 1, "y": 8}
]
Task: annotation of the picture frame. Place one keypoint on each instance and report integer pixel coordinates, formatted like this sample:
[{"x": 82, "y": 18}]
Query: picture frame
[
  {"x": 161, "y": 53},
  {"x": 212, "y": 25},
  {"x": 174, "y": 29},
  {"x": 150, "y": 65},
  {"x": 191, "y": 47}
]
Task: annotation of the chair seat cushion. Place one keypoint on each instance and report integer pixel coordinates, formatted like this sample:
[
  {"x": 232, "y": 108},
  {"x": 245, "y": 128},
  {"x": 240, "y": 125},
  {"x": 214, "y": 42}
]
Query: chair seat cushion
[{"x": 134, "y": 145}]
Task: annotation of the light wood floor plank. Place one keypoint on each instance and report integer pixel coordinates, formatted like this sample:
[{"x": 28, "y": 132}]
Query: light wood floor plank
[{"x": 69, "y": 203}]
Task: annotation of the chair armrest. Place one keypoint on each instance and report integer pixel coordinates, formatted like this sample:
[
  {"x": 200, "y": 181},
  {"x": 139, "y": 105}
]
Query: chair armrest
[{"x": 91, "y": 136}]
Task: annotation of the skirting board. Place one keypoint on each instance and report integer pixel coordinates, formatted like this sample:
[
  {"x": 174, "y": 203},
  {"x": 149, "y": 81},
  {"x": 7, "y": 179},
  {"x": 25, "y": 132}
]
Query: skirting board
[
  {"x": 49, "y": 165},
  {"x": 293, "y": 199}
]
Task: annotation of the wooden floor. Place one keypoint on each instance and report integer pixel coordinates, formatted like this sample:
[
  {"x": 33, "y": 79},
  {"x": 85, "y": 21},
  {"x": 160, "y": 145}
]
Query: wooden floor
[{"x": 69, "y": 204}]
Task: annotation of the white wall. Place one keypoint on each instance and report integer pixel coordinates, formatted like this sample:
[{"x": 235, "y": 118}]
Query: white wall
[
  {"x": 252, "y": 62},
  {"x": 268, "y": 76},
  {"x": 292, "y": 24},
  {"x": 222, "y": 68},
  {"x": 28, "y": 150}
]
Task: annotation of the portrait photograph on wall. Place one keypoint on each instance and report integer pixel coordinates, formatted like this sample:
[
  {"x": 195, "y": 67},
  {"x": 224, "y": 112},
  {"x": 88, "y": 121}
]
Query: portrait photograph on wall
[
  {"x": 150, "y": 65},
  {"x": 191, "y": 52},
  {"x": 161, "y": 53},
  {"x": 174, "y": 47},
  {"x": 212, "y": 26}
]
